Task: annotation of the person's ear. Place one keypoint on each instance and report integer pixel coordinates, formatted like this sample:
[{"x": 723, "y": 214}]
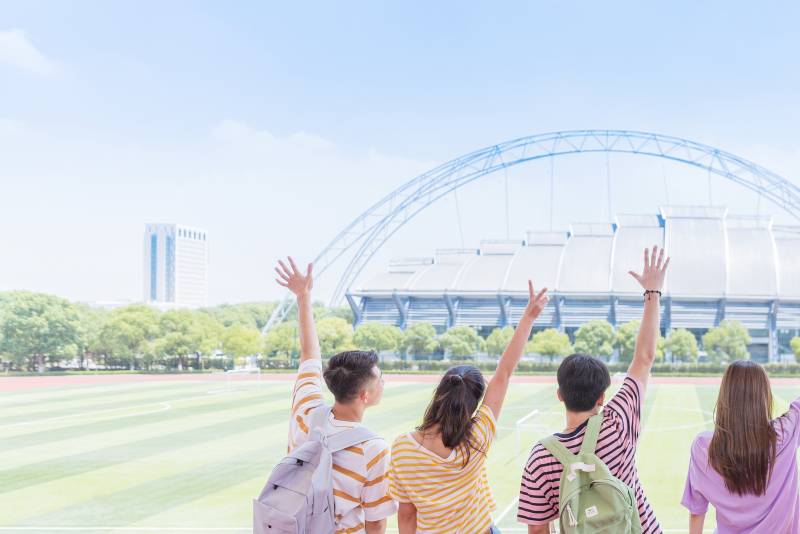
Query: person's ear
[
  {"x": 364, "y": 396},
  {"x": 601, "y": 400},
  {"x": 558, "y": 394}
]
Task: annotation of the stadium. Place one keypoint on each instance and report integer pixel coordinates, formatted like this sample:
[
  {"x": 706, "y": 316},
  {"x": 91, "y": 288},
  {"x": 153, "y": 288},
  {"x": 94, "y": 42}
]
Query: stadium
[{"x": 731, "y": 265}]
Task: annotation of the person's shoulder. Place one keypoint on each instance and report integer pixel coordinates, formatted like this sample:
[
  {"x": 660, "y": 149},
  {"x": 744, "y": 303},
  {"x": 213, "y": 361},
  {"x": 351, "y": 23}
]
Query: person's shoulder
[
  {"x": 702, "y": 441},
  {"x": 539, "y": 455}
]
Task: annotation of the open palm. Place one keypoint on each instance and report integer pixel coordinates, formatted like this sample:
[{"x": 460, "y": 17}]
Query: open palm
[
  {"x": 655, "y": 268},
  {"x": 291, "y": 278}
]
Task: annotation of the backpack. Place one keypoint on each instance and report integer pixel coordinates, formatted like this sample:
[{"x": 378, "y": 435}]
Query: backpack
[
  {"x": 592, "y": 500},
  {"x": 298, "y": 496}
]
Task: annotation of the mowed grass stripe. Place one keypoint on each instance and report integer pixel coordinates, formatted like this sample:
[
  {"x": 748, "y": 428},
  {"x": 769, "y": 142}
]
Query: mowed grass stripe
[
  {"x": 260, "y": 441},
  {"x": 42, "y": 395},
  {"x": 87, "y": 432},
  {"x": 272, "y": 435},
  {"x": 20, "y": 421},
  {"x": 114, "y": 433}
]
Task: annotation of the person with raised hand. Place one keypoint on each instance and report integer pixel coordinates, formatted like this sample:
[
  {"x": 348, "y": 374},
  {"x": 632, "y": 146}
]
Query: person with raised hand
[
  {"x": 582, "y": 383},
  {"x": 746, "y": 467},
  {"x": 360, "y": 486},
  {"x": 438, "y": 471}
]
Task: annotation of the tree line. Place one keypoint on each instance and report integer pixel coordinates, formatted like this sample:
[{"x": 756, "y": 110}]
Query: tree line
[{"x": 44, "y": 331}]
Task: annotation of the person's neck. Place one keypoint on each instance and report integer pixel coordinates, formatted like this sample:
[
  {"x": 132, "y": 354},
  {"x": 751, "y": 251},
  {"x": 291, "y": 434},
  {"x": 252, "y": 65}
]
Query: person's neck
[
  {"x": 353, "y": 412},
  {"x": 576, "y": 419}
]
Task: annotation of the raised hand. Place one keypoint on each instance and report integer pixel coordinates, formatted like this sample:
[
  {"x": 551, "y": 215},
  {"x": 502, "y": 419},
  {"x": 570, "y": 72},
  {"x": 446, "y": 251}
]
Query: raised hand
[
  {"x": 655, "y": 267},
  {"x": 292, "y": 279},
  {"x": 536, "y": 301}
]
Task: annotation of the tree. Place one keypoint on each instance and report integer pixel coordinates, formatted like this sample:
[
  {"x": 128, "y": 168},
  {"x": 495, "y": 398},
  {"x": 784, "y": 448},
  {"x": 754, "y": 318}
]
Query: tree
[
  {"x": 184, "y": 332},
  {"x": 549, "y": 342},
  {"x": 498, "y": 340},
  {"x": 378, "y": 337},
  {"x": 461, "y": 342},
  {"x": 626, "y": 341},
  {"x": 241, "y": 340},
  {"x": 595, "y": 338},
  {"x": 36, "y": 326},
  {"x": 91, "y": 321},
  {"x": 282, "y": 341},
  {"x": 335, "y": 335},
  {"x": 129, "y": 332},
  {"x": 795, "y": 345},
  {"x": 419, "y": 340},
  {"x": 728, "y": 341},
  {"x": 682, "y": 345}
]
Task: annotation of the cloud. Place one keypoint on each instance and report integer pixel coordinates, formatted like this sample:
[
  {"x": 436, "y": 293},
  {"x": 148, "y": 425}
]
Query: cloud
[{"x": 16, "y": 50}]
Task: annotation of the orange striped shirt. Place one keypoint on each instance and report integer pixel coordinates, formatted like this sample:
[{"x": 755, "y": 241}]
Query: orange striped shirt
[
  {"x": 449, "y": 498},
  {"x": 360, "y": 484}
]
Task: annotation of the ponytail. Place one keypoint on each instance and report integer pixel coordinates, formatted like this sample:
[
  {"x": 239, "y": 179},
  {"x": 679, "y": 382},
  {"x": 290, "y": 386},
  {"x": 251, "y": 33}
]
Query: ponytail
[{"x": 451, "y": 410}]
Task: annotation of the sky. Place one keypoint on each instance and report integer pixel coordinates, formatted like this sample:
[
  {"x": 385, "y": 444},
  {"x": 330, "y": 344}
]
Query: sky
[{"x": 273, "y": 125}]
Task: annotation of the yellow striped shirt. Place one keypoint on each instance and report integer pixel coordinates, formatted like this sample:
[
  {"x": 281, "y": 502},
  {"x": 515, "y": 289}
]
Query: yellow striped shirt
[
  {"x": 449, "y": 498},
  {"x": 360, "y": 485}
]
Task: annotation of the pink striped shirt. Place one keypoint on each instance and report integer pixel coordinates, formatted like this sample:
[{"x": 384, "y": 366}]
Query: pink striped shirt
[{"x": 616, "y": 447}]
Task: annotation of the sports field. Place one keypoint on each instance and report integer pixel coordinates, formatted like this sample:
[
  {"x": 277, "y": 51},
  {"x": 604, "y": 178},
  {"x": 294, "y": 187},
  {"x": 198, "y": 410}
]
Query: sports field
[{"x": 187, "y": 454}]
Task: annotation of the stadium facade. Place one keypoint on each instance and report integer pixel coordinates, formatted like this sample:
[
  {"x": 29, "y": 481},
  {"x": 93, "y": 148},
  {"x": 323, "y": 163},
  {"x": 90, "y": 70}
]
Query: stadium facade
[{"x": 743, "y": 268}]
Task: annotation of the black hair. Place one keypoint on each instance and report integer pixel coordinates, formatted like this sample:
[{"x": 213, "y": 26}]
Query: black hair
[
  {"x": 582, "y": 379},
  {"x": 453, "y": 406},
  {"x": 348, "y": 373}
]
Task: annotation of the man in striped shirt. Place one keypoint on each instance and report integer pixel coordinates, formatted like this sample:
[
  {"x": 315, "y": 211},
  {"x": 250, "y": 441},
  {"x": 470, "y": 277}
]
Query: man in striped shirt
[
  {"x": 582, "y": 382},
  {"x": 360, "y": 485}
]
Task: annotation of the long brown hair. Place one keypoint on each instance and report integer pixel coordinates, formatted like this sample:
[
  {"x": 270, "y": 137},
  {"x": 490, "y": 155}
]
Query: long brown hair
[
  {"x": 744, "y": 444},
  {"x": 451, "y": 410}
]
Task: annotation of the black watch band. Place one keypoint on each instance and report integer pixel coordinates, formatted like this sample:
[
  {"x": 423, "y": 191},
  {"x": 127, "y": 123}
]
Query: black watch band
[{"x": 648, "y": 292}]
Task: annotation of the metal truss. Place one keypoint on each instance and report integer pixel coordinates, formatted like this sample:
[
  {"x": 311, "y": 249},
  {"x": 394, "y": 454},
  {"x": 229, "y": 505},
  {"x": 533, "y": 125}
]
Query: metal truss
[{"x": 363, "y": 237}]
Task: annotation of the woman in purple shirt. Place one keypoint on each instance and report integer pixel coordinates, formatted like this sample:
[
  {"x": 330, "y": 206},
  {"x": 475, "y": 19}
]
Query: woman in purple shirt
[{"x": 746, "y": 467}]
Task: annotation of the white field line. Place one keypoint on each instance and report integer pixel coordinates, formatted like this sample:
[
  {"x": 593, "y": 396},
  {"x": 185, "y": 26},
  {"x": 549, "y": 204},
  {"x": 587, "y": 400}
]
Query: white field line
[{"x": 505, "y": 511}]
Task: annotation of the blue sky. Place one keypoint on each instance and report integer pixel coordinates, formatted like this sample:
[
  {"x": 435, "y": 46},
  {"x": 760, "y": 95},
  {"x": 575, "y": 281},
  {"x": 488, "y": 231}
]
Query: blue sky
[{"x": 274, "y": 124}]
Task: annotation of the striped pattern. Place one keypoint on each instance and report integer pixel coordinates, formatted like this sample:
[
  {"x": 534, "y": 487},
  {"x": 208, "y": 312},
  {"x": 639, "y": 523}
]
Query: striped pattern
[
  {"x": 449, "y": 497},
  {"x": 360, "y": 485},
  {"x": 616, "y": 447}
]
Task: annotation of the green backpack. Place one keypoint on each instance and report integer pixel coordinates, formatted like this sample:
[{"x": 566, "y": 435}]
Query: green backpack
[{"x": 592, "y": 500}]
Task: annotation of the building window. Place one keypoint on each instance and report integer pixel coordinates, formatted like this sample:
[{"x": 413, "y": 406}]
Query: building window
[
  {"x": 170, "y": 269},
  {"x": 153, "y": 266}
]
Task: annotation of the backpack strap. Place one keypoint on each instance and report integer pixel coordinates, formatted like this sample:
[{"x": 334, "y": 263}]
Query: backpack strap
[
  {"x": 557, "y": 449},
  {"x": 350, "y": 437},
  {"x": 592, "y": 433},
  {"x": 318, "y": 416}
]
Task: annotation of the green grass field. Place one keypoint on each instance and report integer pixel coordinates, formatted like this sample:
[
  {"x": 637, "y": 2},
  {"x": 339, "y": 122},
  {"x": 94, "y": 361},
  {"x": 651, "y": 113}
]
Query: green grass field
[{"x": 180, "y": 456}]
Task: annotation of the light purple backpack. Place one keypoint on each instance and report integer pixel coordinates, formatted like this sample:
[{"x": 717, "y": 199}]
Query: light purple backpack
[{"x": 298, "y": 497}]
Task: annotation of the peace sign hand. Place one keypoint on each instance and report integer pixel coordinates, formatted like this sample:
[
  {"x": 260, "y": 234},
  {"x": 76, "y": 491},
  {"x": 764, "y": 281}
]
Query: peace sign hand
[{"x": 536, "y": 302}]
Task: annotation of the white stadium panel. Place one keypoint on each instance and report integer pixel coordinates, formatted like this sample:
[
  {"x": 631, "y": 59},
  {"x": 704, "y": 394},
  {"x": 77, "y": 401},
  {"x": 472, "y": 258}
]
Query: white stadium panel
[
  {"x": 695, "y": 240},
  {"x": 753, "y": 315},
  {"x": 386, "y": 282},
  {"x": 752, "y": 269},
  {"x": 538, "y": 261},
  {"x": 634, "y": 233},
  {"x": 586, "y": 265},
  {"x": 443, "y": 273},
  {"x": 478, "y": 312},
  {"x": 787, "y": 243},
  {"x": 694, "y": 314},
  {"x": 488, "y": 271}
]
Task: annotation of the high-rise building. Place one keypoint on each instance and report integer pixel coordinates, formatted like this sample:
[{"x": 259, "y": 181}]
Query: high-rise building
[{"x": 176, "y": 265}]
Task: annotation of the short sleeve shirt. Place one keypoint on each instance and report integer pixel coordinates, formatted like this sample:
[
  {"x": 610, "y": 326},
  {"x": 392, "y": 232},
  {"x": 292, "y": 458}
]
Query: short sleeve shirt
[
  {"x": 616, "y": 447},
  {"x": 360, "y": 482},
  {"x": 451, "y": 496}
]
